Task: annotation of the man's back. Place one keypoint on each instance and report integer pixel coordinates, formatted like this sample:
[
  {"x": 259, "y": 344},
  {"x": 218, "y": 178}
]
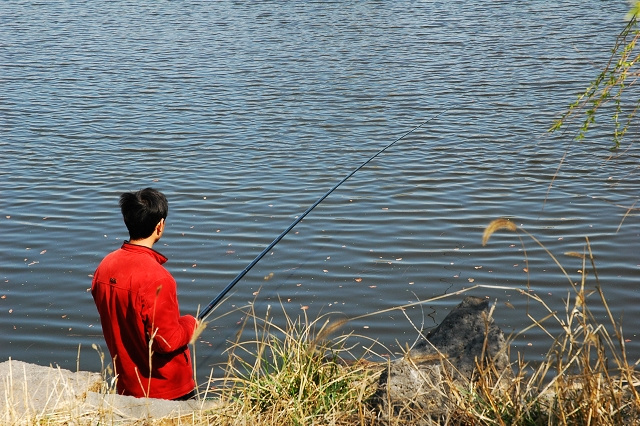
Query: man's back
[{"x": 137, "y": 302}]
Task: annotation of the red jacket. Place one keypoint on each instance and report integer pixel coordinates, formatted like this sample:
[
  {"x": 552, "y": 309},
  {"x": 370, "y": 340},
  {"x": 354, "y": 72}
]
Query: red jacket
[{"x": 137, "y": 302}]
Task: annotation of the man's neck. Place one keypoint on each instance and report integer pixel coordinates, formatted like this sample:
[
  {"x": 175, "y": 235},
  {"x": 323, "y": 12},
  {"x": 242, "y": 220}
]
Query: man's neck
[{"x": 145, "y": 242}]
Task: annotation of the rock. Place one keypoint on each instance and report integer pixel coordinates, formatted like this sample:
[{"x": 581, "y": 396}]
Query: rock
[
  {"x": 30, "y": 390},
  {"x": 418, "y": 385},
  {"x": 33, "y": 394},
  {"x": 117, "y": 408}
]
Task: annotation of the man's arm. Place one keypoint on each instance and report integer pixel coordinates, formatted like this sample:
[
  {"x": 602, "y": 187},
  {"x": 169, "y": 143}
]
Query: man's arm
[{"x": 168, "y": 330}]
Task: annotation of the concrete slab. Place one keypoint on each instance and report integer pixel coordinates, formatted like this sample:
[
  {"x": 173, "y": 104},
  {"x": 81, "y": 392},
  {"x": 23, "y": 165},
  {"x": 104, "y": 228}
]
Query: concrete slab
[{"x": 30, "y": 392}]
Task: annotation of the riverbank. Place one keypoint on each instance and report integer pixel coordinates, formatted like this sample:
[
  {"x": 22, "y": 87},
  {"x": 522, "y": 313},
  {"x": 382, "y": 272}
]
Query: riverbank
[{"x": 298, "y": 375}]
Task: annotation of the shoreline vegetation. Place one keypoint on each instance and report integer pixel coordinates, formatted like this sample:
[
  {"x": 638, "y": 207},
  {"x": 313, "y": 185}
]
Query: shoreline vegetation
[{"x": 307, "y": 372}]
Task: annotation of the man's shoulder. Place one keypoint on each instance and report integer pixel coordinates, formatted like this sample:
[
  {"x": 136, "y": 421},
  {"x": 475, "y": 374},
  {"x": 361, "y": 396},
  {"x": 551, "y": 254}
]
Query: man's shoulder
[
  {"x": 132, "y": 270},
  {"x": 134, "y": 260}
]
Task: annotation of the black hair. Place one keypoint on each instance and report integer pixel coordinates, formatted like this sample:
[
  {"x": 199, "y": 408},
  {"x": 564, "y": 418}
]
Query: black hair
[{"x": 142, "y": 210}]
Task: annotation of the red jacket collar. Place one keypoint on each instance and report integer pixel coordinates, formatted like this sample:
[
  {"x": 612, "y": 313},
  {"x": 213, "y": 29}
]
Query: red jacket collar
[{"x": 159, "y": 257}]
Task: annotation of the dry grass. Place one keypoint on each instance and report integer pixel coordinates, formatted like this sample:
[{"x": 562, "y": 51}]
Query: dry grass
[
  {"x": 296, "y": 375},
  {"x": 585, "y": 378}
]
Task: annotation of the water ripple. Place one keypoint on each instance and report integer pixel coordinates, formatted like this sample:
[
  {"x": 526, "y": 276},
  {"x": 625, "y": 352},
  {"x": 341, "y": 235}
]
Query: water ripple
[{"x": 246, "y": 114}]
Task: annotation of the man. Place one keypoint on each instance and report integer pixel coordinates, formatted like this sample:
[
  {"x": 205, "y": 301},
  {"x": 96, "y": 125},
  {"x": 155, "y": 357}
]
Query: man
[{"x": 138, "y": 306}]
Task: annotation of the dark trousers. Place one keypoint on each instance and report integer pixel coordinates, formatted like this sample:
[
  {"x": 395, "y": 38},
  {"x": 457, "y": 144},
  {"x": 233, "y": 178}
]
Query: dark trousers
[{"x": 186, "y": 397}]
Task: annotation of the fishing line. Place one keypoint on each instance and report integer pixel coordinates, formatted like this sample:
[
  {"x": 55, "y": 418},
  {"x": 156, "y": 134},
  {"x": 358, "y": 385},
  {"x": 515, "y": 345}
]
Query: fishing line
[{"x": 205, "y": 312}]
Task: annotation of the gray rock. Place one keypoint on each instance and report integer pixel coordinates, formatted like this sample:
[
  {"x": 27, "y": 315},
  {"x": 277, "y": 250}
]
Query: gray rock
[
  {"x": 34, "y": 394},
  {"x": 31, "y": 391},
  {"x": 417, "y": 386},
  {"x": 118, "y": 408}
]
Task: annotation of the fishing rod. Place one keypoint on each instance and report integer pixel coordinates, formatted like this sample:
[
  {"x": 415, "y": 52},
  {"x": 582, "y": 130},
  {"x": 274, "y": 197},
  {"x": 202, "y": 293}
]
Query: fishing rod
[{"x": 205, "y": 312}]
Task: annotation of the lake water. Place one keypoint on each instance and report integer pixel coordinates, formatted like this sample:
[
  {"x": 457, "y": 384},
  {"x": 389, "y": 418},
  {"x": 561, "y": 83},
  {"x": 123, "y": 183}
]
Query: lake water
[{"x": 245, "y": 113}]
